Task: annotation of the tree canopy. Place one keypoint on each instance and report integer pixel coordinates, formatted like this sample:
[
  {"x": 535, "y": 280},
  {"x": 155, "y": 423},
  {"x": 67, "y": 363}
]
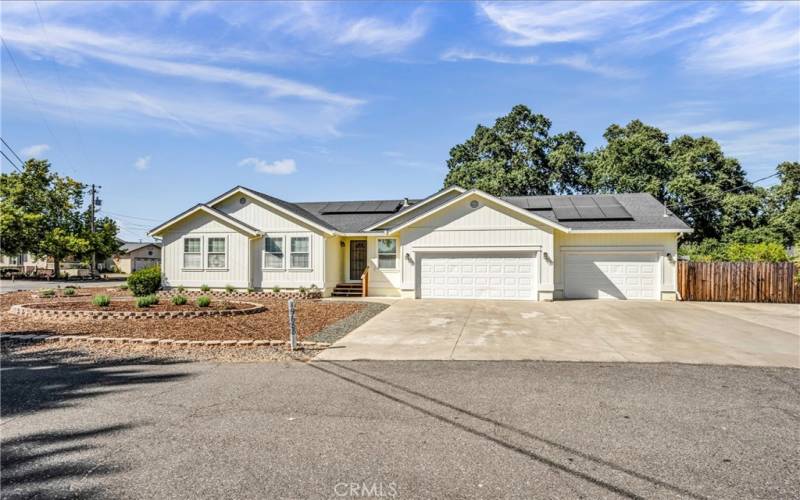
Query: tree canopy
[
  {"x": 518, "y": 156},
  {"x": 41, "y": 213},
  {"x": 691, "y": 175}
]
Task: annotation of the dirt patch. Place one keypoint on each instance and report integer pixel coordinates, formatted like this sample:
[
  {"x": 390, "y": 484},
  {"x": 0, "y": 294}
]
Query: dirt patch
[
  {"x": 312, "y": 316},
  {"x": 123, "y": 305}
]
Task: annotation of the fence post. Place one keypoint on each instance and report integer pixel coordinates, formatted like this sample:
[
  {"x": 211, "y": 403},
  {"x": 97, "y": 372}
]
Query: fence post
[{"x": 292, "y": 326}]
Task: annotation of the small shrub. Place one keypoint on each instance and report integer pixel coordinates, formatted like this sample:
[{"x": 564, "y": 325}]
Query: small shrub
[
  {"x": 302, "y": 290},
  {"x": 276, "y": 289},
  {"x": 69, "y": 291},
  {"x": 181, "y": 289},
  {"x": 203, "y": 301},
  {"x": 101, "y": 300},
  {"x": 230, "y": 288},
  {"x": 251, "y": 290},
  {"x": 179, "y": 300},
  {"x": 204, "y": 288},
  {"x": 145, "y": 281},
  {"x": 123, "y": 286},
  {"x": 47, "y": 292},
  {"x": 147, "y": 301}
]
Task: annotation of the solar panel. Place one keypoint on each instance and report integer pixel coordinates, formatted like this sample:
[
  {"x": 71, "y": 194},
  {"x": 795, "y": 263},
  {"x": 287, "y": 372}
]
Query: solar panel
[
  {"x": 566, "y": 213},
  {"x": 539, "y": 204},
  {"x": 588, "y": 213},
  {"x": 360, "y": 207},
  {"x": 616, "y": 212},
  {"x": 388, "y": 206}
]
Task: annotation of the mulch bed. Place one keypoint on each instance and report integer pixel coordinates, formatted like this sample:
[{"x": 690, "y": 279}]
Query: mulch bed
[
  {"x": 123, "y": 305},
  {"x": 312, "y": 317}
]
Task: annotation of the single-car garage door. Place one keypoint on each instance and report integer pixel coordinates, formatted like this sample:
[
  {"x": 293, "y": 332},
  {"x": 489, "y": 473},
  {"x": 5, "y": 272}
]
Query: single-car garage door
[
  {"x": 479, "y": 276},
  {"x": 611, "y": 276}
]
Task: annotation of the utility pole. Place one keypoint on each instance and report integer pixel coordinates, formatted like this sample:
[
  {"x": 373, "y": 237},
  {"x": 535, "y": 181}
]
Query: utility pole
[{"x": 95, "y": 202}]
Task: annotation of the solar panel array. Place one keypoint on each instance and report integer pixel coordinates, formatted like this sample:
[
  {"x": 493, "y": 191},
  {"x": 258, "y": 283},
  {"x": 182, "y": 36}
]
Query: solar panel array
[
  {"x": 361, "y": 207},
  {"x": 588, "y": 208}
]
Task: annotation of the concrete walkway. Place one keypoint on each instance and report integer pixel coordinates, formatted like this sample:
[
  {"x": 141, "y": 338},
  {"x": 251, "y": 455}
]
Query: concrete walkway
[{"x": 638, "y": 331}]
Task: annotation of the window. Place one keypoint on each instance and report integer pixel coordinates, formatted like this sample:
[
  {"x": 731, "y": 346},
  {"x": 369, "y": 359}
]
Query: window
[
  {"x": 387, "y": 254},
  {"x": 273, "y": 252},
  {"x": 300, "y": 258},
  {"x": 192, "y": 259},
  {"x": 216, "y": 253}
]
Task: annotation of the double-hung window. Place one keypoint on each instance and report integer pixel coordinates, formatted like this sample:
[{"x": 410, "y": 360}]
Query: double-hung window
[
  {"x": 387, "y": 254},
  {"x": 300, "y": 252},
  {"x": 216, "y": 253},
  {"x": 273, "y": 252},
  {"x": 192, "y": 256}
]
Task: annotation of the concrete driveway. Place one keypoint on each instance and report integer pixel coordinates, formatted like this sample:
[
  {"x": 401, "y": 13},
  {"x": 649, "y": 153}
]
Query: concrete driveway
[{"x": 639, "y": 331}]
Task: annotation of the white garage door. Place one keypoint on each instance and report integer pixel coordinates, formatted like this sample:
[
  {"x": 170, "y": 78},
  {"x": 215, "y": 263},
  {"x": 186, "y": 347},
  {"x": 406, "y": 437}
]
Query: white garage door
[
  {"x": 611, "y": 276},
  {"x": 480, "y": 276}
]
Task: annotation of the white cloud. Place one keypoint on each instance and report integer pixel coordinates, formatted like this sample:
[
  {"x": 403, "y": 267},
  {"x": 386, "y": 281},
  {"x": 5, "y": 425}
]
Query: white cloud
[
  {"x": 454, "y": 55},
  {"x": 379, "y": 35},
  {"x": 142, "y": 163},
  {"x": 279, "y": 167},
  {"x": 768, "y": 39},
  {"x": 536, "y": 23},
  {"x": 136, "y": 53},
  {"x": 582, "y": 62},
  {"x": 127, "y": 106},
  {"x": 35, "y": 151}
]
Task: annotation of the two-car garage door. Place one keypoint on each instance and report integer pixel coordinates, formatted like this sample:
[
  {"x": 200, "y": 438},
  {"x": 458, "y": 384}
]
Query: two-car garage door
[
  {"x": 611, "y": 275},
  {"x": 508, "y": 276}
]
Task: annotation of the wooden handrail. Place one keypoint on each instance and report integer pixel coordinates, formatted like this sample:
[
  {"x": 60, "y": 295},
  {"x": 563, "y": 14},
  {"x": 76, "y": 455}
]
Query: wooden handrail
[{"x": 365, "y": 282}]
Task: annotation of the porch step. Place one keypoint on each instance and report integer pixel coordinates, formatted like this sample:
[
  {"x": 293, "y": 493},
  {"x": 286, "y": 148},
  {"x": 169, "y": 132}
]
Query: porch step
[{"x": 347, "y": 290}]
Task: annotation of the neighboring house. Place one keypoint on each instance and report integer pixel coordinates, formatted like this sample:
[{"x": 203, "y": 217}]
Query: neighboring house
[
  {"x": 453, "y": 244},
  {"x": 135, "y": 256}
]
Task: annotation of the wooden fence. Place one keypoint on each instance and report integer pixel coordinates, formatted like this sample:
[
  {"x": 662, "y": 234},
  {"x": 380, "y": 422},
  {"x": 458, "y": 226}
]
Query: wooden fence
[{"x": 738, "y": 281}]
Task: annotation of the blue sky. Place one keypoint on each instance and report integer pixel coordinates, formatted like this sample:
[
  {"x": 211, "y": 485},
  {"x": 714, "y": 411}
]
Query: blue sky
[{"x": 166, "y": 104}]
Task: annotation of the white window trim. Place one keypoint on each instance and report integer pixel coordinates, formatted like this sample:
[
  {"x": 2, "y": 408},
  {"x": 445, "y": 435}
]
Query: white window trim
[
  {"x": 206, "y": 254},
  {"x": 283, "y": 254},
  {"x": 183, "y": 253},
  {"x": 396, "y": 255},
  {"x": 310, "y": 248}
]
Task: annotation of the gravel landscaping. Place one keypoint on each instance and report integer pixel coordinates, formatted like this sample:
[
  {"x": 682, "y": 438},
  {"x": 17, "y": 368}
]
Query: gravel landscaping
[
  {"x": 272, "y": 324},
  {"x": 130, "y": 305},
  {"x": 334, "y": 332}
]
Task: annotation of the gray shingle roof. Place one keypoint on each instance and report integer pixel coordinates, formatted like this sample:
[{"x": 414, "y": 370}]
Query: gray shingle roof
[
  {"x": 646, "y": 212},
  {"x": 129, "y": 246}
]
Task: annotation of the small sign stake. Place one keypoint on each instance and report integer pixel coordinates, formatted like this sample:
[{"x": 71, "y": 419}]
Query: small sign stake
[{"x": 292, "y": 326}]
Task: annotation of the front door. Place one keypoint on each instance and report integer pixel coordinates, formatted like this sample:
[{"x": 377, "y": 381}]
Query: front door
[{"x": 358, "y": 258}]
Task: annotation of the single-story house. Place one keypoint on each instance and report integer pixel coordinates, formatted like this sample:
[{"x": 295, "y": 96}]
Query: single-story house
[
  {"x": 135, "y": 256},
  {"x": 456, "y": 243}
]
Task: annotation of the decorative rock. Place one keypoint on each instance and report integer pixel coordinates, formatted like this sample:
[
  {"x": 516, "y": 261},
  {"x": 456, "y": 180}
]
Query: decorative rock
[
  {"x": 276, "y": 342},
  {"x": 226, "y": 343},
  {"x": 245, "y": 342},
  {"x": 213, "y": 342},
  {"x": 181, "y": 342},
  {"x": 261, "y": 342},
  {"x": 150, "y": 341},
  {"x": 165, "y": 341}
]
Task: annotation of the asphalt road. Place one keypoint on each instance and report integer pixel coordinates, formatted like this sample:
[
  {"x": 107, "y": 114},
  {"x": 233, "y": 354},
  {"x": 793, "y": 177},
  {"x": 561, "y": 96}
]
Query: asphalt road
[
  {"x": 421, "y": 429},
  {"x": 27, "y": 285}
]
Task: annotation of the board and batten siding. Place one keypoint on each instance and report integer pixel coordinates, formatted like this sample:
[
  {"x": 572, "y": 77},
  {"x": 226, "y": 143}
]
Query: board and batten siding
[
  {"x": 658, "y": 243},
  {"x": 203, "y": 227},
  {"x": 275, "y": 224},
  {"x": 490, "y": 227}
]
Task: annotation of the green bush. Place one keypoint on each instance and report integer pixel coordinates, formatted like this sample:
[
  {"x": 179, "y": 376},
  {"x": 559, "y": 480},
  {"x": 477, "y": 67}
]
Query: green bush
[
  {"x": 276, "y": 289},
  {"x": 101, "y": 300},
  {"x": 147, "y": 300},
  {"x": 47, "y": 292},
  {"x": 251, "y": 290},
  {"x": 302, "y": 290},
  {"x": 203, "y": 301},
  {"x": 69, "y": 291},
  {"x": 713, "y": 251},
  {"x": 123, "y": 286},
  {"x": 145, "y": 281},
  {"x": 181, "y": 289},
  {"x": 204, "y": 288},
  {"x": 230, "y": 288},
  {"x": 179, "y": 300}
]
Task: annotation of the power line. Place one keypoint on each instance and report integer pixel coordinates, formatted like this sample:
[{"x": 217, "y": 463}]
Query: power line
[
  {"x": 749, "y": 184},
  {"x": 32, "y": 97},
  {"x": 132, "y": 216},
  {"x": 63, "y": 89},
  {"x": 21, "y": 162},
  {"x": 11, "y": 162}
]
